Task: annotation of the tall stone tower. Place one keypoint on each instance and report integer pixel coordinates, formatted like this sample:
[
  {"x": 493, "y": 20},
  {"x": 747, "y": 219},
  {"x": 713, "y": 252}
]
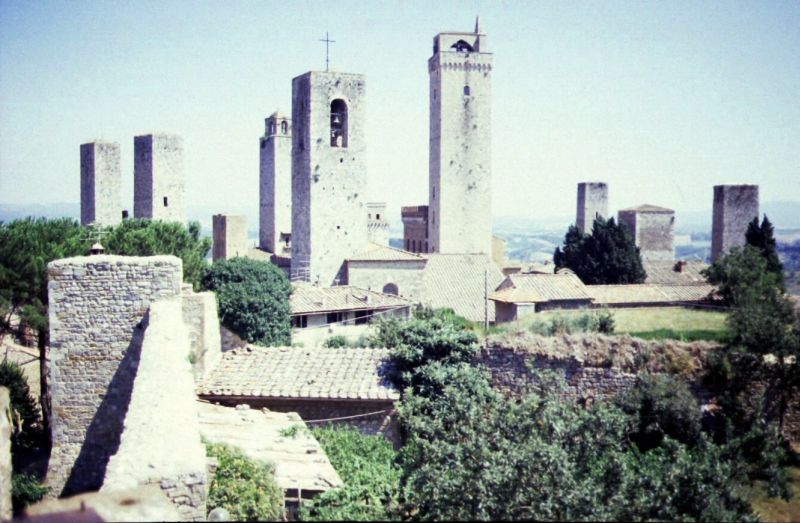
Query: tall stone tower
[
  {"x": 158, "y": 177},
  {"x": 460, "y": 173},
  {"x": 592, "y": 204},
  {"x": 100, "y": 183},
  {"x": 653, "y": 230},
  {"x": 735, "y": 206},
  {"x": 229, "y": 235},
  {"x": 329, "y": 175},
  {"x": 275, "y": 185}
]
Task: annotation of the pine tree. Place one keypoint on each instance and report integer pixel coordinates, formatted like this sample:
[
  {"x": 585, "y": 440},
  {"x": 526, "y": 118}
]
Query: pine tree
[{"x": 763, "y": 238}]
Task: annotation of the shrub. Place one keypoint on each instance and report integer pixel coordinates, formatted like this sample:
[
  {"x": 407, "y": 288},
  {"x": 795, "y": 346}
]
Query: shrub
[
  {"x": 244, "y": 487},
  {"x": 24, "y": 412},
  {"x": 558, "y": 324},
  {"x": 25, "y": 490},
  {"x": 253, "y": 299},
  {"x": 335, "y": 342}
]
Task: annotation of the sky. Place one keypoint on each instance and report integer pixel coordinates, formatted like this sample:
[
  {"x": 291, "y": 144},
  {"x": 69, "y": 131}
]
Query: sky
[{"x": 661, "y": 100}]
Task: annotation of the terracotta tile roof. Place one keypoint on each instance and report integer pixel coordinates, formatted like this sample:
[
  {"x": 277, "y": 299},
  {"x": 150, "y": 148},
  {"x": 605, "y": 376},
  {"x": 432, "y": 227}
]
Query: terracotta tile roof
[
  {"x": 663, "y": 272},
  {"x": 647, "y": 293},
  {"x": 647, "y": 208},
  {"x": 538, "y": 288},
  {"x": 456, "y": 281},
  {"x": 308, "y": 299},
  {"x": 377, "y": 252},
  {"x": 308, "y": 373}
]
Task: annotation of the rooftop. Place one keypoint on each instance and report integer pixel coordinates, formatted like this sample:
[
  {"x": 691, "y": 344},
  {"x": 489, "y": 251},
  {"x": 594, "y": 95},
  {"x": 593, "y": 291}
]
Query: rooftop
[
  {"x": 647, "y": 208},
  {"x": 538, "y": 288},
  {"x": 648, "y": 293},
  {"x": 308, "y": 299},
  {"x": 674, "y": 272},
  {"x": 377, "y": 252},
  {"x": 456, "y": 281},
  {"x": 302, "y": 373}
]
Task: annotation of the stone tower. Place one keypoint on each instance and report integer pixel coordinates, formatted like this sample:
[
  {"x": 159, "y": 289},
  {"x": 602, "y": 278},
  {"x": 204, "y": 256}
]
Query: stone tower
[
  {"x": 229, "y": 234},
  {"x": 329, "y": 175},
  {"x": 460, "y": 174},
  {"x": 653, "y": 229},
  {"x": 592, "y": 204},
  {"x": 735, "y": 206},
  {"x": 377, "y": 224},
  {"x": 100, "y": 183},
  {"x": 158, "y": 177},
  {"x": 275, "y": 185}
]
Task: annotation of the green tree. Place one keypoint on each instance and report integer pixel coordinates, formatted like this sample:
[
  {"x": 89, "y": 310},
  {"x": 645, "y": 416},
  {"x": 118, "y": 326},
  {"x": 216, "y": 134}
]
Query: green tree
[
  {"x": 606, "y": 256},
  {"x": 253, "y": 299},
  {"x": 24, "y": 413},
  {"x": 153, "y": 237},
  {"x": 763, "y": 238}
]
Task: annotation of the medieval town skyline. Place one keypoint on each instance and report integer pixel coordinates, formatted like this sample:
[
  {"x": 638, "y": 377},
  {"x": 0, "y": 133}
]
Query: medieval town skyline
[{"x": 662, "y": 102}]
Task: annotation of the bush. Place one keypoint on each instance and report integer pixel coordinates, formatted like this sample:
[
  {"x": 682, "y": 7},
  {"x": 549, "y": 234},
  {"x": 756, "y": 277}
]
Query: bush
[
  {"x": 25, "y": 490},
  {"x": 244, "y": 487},
  {"x": 253, "y": 299},
  {"x": 574, "y": 323},
  {"x": 371, "y": 478},
  {"x": 24, "y": 412},
  {"x": 335, "y": 342}
]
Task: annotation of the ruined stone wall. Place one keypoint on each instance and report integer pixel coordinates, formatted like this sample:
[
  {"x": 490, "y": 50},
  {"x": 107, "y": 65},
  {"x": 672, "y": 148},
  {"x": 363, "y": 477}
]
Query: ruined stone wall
[
  {"x": 459, "y": 197},
  {"x": 97, "y": 313},
  {"x": 275, "y": 183},
  {"x": 200, "y": 315},
  {"x": 328, "y": 181},
  {"x": 160, "y": 442},
  {"x": 158, "y": 179},
  {"x": 229, "y": 233},
  {"x": 407, "y": 275},
  {"x": 592, "y": 204},
  {"x": 735, "y": 206},
  {"x": 101, "y": 181},
  {"x": 5, "y": 455}
]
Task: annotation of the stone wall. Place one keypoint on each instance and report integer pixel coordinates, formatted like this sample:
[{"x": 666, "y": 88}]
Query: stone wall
[
  {"x": 415, "y": 228},
  {"x": 101, "y": 181},
  {"x": 5, "y": 455},
  {"x": 200, "y": 315},
  {"x": 160, "y": 442},
  {"x": 735, "y": 206},
  {"x": 408, "y": 275},
  {"x": 653, "y": 232},
  {"x": 98, "y": 308},
  {"x": 592, "y": 204},
  {"x": 229, "y": 233},
  {"x": 158, "y": 179}
]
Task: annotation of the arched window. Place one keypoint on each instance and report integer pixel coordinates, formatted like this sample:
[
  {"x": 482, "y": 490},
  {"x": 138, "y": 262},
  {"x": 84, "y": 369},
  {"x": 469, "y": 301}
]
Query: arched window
[
  {"x": 391, "y": 288},
  {"x": 272, "y": 128},
  {"x": 462, "y": 47},
  {"x": 284, "y": 127},
  {"x": 466, "y": 90},
  {"x": 338, "y": 123}
]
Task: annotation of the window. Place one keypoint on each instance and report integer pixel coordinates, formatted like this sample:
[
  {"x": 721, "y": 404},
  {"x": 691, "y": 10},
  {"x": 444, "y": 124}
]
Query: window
[
  {"x": 338, "y": 123},
  {"x": 391, "y": 288},
  {"x": 272, "y": 128},
  {"x": 462, "y": 47},
  {"x": 377, "y": 216},
  {"x": 165, "y": 202},
  {"x": 124, "y": 215},
  {"x": 300, "y": 321},
  {"x": 362, "y": 317},
  {"x": 466, "y": 90},
  {"x": 284, "y": 127},
  {"x": 334, "y": 317}
]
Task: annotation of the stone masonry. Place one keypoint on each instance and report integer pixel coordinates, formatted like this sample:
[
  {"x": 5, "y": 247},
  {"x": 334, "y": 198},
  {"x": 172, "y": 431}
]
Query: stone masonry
[
  {"x": 98, "y": 312},
  {"x": 377, "y": 224},
  {"x": 101, "y": 202},
  {"x": 415, "y": 228},
  {"x": 459, "y": 192},
  {"x": 592, "y": 204},
  {"x": 229, "y": 232},
  {"x": 158, "y": 179},
  {"x": 5, "y": 455},
  {"x": 329, "y": 175},
  {"x": 653, "y": 229},
  {"x": 275, "y": 184},
  {"x": 735, "y": 206}
]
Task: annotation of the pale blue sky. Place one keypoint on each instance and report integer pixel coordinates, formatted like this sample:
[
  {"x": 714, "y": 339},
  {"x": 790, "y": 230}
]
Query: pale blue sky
[{"x": 662, "y": 100}]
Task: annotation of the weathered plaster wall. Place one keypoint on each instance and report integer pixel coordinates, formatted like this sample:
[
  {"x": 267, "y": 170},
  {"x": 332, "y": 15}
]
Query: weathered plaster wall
[
  {"x": 158, "y": 179},
  {"x": 592, "y": 204},
  {"x": 275, "y": 183},
  {"x": 5, "y": 455},
  {"x": 101, "y": 181},
  {"x": 160, "y": 441},
  {"x": 459, "y": 197},
  {"x": 229, "y": 233},
  {"x": 328, "y": 182},
  {"x": 735, "y": 206},
  {"x": 97, "y": 314}
]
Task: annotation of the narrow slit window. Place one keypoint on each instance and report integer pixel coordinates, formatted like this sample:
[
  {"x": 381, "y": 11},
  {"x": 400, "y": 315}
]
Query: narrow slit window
[
  {"x": 466, "y": 90},
  {"x": 166, "y": 203}
]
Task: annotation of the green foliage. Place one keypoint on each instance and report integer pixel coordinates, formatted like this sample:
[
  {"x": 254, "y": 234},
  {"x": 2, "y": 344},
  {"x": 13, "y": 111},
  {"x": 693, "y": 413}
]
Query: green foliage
[
  {"x": 763, "y": 239},
  {"x": 24, "y": 412},
  {"x": 367, "y": 466},
  {"x": 151, "y": 237},
  {"x": 253, "y": 299},
  {"x": 558, "y": 324},
  {"x": 683, "y": 335},
  {"x": 661, "y": 406},
  {"x": 25, "y": 490},
  {"x": 244, "y": 487},
  {"x": 606, "y": 256},
  {"x": 335, "y": 342}
]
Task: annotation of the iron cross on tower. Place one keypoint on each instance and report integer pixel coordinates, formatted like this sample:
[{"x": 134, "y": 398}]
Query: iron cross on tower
[{"x": 327, "y": 41}]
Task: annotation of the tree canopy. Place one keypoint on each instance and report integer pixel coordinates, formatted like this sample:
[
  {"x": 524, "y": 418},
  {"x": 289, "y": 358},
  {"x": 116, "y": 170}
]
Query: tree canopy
[
  {"x": 253, "y": 299},
  {"x": 762, "y": 237},
  {"x": 606, "y": 256}
]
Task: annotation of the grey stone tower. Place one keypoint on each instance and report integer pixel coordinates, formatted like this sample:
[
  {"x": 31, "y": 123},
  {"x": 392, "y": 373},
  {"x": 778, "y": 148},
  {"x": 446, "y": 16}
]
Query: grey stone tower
[
  {"x": 653, "y": 229},
  {"x": 329, "y": 175},
  {"x": 229, "y": 234},
  {"x": 158, "y": 177},
  {"x": 460, "y": 173},
  {"x": 592, "y": 204},
  {"x": 735, "y": 206},
  {"x": 100, "y": 183},
  {"x": 275, "y": 185},
  {"x": 377, "y": 224}
]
